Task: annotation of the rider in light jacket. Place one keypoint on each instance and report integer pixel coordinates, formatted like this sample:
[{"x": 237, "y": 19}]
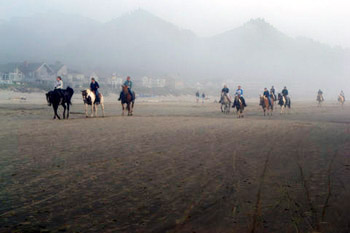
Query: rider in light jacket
[
  {"x": 128, "y": 83},
  {"x": 239, "y": 92}
]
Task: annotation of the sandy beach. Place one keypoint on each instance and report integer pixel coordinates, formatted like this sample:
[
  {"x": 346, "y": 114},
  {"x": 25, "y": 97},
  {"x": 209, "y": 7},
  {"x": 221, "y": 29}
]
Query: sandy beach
[{"x": 175, "y": 166}]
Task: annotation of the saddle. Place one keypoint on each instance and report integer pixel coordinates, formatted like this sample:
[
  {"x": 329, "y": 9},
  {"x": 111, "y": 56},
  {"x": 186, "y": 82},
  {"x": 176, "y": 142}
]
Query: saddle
[{"x": 98, "y": 98}]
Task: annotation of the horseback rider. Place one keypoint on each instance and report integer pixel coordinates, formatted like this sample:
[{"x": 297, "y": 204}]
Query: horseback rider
[
  {"x": 273, "y": 92},
  {"x": 320, "y": 95},
  {"x": 58, "y": 87},
  {"x": 94, "y": 88},
  {"x": 239, "y": 93},
  {"x": 285, "y": 93},
  {"x": 267, "y": 95},
  {"x": 224, "y": 91},
  {"x": 342, "y": 94},
  {"x": 128, "y": 83}
]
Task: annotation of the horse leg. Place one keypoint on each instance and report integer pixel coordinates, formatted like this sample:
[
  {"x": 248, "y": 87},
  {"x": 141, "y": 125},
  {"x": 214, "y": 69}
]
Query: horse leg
[
  {"x": 103, "y": 109},
  {"x": 86, "y": 113},
  {"x": 96, "y": 108},
  {"x": 128, "y": 107},
  {"x": 64, "y": 110},
  {"x": 54, "y": 111},
  {"x": 67, "y": 110},
  {"x": 55, "y": 107},
  {"x": 132, "y": 107},
  {"x": 123, "y": 109},
  {"x": 92, "y": 110}
]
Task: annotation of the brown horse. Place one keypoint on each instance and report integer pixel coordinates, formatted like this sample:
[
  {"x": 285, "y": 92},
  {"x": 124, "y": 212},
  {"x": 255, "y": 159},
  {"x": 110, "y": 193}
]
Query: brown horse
[
  {"x": 264, "y": 102},
  {"x": 127, "y": 100}
]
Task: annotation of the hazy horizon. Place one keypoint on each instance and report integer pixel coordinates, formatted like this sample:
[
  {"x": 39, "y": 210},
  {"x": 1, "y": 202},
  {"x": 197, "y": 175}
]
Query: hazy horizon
[{"x": 319, "y": 20}]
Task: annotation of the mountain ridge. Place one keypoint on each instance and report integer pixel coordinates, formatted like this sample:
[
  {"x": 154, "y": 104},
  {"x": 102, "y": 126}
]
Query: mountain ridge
[{"x": 141, "y": 43}]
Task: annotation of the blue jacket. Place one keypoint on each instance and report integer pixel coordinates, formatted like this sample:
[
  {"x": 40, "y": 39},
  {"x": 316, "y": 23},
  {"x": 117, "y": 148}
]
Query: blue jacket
[
  {"x": 267, "y": 94},
  {"x": 128, "y": 84},
  {"x": 94, "y": 86},
  {"x": 239, "y": 92},
  {"x": 284, "y": 92},
  {"x": 225, "y": 90}
]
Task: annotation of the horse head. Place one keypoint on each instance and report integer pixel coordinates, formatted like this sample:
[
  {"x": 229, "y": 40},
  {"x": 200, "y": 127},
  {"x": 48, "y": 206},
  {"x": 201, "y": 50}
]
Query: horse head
[
  {"x": 86, "y": 94},
  {"x": 48, "y": 97},
  {"x": 125, "y": 89},
  {"x": 262, "y": 100}
]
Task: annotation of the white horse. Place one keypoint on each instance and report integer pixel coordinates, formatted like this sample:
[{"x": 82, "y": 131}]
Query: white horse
[
  {"x": 225, "y": 103},
  {"x": 89, "y": 99},
  {"x": 284, "y": 102}
]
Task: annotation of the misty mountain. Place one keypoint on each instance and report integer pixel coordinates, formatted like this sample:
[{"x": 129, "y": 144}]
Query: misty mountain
[{"x": 140, "y": 43}]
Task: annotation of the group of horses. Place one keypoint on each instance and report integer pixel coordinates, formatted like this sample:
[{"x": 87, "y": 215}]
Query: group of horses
[
  {"x": 267, "y": 106},
  {"x": 283, "y": 101},
  {"x": 64, "y": 97},
  {"x": 237, "y": 103},
  {"x": 320, "y": 99}
]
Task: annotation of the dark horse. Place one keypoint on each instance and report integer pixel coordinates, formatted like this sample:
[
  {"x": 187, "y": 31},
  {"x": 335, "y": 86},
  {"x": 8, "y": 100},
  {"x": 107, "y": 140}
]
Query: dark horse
[
  {"x": 128, "y": 100},
  {"x": 284, "y": 102},
  {"x": 238, "y": 103},
  {"x": 55, "y": 99}
]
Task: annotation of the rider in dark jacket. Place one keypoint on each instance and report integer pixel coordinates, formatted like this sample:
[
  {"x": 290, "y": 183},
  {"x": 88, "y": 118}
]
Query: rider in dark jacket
[
  {"x": 224, "y": 91},
  {"x": 273, "y": 92},
  {"x": 94, "y": 88},
  {"x": 285, "y": 92},
  {"x": 267, "y": 95}
]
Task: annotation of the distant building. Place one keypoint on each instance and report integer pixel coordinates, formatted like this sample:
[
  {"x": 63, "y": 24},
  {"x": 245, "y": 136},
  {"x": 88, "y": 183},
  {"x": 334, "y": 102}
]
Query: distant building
[
  {"x": 59, "y": 69},
  {"x": 153, "y": 82},
  {"x": 37, "y": 72},
  {"x": 77, "y": 79},
  {"x": 114, "y": 81},
  {"x": 11, "y": 74},
  {"x": 26, "y": 72}
]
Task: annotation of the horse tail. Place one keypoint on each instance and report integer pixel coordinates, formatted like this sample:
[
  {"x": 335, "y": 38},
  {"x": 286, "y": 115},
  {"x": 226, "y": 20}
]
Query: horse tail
[{"x": 70, "y": 92}]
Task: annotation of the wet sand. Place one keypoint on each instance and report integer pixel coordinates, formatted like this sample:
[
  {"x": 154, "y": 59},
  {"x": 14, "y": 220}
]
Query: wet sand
[{"x": 175, "y": 167}]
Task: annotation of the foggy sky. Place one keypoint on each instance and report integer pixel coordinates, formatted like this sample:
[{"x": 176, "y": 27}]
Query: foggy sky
[{"x": 326, "y": 21}]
